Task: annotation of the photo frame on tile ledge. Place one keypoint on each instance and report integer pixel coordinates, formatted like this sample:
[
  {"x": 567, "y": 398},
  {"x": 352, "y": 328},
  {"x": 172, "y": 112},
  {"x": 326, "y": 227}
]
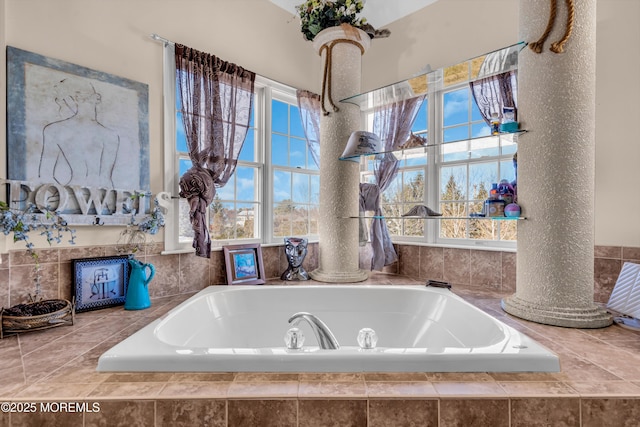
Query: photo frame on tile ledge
[
  {"x": 243, "y": 264},
  {"x": 100, "y": 282}
]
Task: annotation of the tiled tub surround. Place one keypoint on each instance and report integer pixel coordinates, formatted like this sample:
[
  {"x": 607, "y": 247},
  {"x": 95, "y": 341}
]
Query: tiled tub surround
[
  {"x": 175, "y": 273},
  {"x": 599, "y": 382},
  {"x": 185, "y": 273},
  {"x": 496, "y": 270}
]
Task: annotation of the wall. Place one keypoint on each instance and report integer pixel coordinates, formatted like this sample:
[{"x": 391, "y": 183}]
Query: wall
[
  {"x": 442, "y": 34},
  {"x": 175, "y": 274},
  {"x": 485, "y": 270},
  {"x": 481, "y": 270},
  {"x": 451, "y": 31},
  {"x": 617, "y": 113},
  {"x": 3, "y": 106},
  {"x": 113, "y": 37}
]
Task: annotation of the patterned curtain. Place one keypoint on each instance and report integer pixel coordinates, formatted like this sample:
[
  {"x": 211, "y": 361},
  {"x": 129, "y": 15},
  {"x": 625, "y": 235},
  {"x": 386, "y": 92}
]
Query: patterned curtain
[
  {"x": 392, "y": 123},
  {"x": 216, "y": 99},
  {"x": 492, "y": 94},
  {"x": 310, "y": 112}
]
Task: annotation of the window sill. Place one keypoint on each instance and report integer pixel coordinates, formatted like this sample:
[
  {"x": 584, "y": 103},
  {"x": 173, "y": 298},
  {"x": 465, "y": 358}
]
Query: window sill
[
  {"x": 229, "y": 243},
  {"x": 475, "y": 246}
]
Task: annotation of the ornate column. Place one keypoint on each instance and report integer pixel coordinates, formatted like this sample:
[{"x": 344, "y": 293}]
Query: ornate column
[
  {"x": 341, "y": 50},
  {"x": 556, "y": 170}
]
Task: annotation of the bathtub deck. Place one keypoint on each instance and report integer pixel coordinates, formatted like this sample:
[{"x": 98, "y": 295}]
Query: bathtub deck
[{"x": 599, "y": 382}]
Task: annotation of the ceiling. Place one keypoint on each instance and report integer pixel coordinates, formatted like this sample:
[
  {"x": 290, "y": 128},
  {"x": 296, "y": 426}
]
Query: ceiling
[{"x": 378, "y": 12}]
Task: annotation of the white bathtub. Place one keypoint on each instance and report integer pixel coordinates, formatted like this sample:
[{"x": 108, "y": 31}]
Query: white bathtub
[{"x": 242, "y": 328}]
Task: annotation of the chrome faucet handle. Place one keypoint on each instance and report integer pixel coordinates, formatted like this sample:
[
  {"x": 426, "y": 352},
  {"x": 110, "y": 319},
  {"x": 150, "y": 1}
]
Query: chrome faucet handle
[
  {"x": 294, "y": 339},
  {"x": 367, "y": 338}
]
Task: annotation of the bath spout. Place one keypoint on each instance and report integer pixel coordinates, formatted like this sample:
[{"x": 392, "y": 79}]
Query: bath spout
[{"x": 326, "y": 339}]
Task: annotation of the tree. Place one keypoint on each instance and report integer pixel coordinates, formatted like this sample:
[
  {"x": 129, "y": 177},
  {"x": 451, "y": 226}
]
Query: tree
[
  {"x": 220, "y": 226},
  {"x": 414, "y": 192},
  {"x": 481, "y": 228},
  {"x": 396, "y": 202},
  {"x": 184, "y": 223},
  {"x": 282, "y": 213},
  {"x": 453, "y": 206},
  {"x": 245, "y": 228}
]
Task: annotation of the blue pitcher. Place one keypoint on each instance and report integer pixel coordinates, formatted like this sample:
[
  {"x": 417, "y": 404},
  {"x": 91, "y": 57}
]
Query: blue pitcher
[{"x": 137, "y": 293}]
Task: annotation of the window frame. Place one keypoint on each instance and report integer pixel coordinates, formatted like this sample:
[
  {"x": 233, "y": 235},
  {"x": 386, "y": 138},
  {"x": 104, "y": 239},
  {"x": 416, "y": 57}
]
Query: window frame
[
  {"x": 265, "y": 90},
  {"x": 432, "y": 172},
  {"x": 277, "y": 92},
  {"x": 440, "y": 163}
]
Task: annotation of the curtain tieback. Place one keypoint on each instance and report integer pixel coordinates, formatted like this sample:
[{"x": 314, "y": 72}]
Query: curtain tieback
[{"x": 196, "y": 185}]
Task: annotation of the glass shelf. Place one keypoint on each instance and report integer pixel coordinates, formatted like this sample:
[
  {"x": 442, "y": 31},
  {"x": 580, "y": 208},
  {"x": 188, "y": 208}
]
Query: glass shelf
[
  {"x": 493, "y": 63},
  {"x": 494, "y": 218},
  {"x": 514, "y": 135}
]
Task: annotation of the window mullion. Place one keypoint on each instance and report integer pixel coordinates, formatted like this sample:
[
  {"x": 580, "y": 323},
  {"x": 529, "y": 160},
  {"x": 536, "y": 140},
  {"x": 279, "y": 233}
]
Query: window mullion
[
  {"x": 171, "y": 156},
  {"x": 268, "y": 182},
  {"x": 434, "y": 124}
]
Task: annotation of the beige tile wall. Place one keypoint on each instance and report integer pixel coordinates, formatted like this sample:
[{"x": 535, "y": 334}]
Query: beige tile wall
[
  {"x": 175, "y": 274},
  {"x": 607, "y": 265},
  {"x": 348, "y": 412},
  {"x": 496, "y": 270},
  {"x": 183, "y": 273}
]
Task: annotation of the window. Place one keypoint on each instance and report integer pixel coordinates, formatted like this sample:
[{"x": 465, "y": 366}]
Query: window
[
  {"x": 470, "y": 160},
  {"x": 296, "y": 179},
  {"x": 235, "y": 211},
  {"x": 274, "y": 191},
  {"x": 453, "y": 175},
  {"x": 408, "y": 187}
]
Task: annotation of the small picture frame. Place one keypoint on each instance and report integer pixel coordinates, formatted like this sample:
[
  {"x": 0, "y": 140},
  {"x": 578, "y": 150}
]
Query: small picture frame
[
  {"x": 100, "y": 282},
  {"x": 244, "y": 264}
]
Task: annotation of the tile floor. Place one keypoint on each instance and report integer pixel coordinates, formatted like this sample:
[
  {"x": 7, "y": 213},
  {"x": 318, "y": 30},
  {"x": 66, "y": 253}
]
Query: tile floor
[{"x": 599, "y": 382}]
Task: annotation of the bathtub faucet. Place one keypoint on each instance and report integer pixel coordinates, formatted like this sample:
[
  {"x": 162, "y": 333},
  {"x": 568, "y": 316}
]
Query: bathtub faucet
[{"x": 325, "y": 337}]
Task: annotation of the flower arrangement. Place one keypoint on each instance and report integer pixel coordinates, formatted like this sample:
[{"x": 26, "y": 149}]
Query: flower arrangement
[
  {"x": 152, "y": 222},
  {"x": 21, "y": 223},
  {"x": 133, "y": 238},
  {"x": 53, "y": 227},
  {"x": 316, "y": 15}
]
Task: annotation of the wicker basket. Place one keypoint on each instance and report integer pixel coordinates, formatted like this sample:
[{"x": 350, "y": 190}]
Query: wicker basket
[{"x": 18, "y": 324}]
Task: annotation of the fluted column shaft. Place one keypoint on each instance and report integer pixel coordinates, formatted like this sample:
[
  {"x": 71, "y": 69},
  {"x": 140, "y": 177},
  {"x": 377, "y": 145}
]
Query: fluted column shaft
[
  {"x": 556, "y": 171},
  {"x": 339, "y": 180}
]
